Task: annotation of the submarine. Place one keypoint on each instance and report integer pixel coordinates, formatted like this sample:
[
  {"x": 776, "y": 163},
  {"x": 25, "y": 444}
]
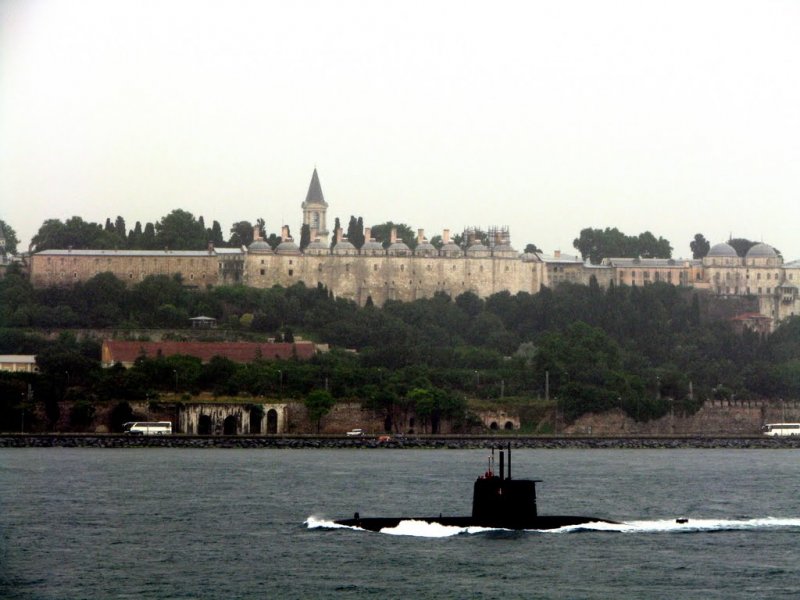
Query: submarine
[{"x": 498, "y": 502}]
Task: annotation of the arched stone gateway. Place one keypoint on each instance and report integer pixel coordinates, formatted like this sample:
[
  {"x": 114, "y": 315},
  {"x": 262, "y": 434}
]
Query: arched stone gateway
[
  {"x": 499, "y": 419},
  {"x": 272, "y": 421},
  {"x": 230, "y": 426},
  {"x": 204, "y": 425},
  {"x": 232, "y": 419},
  {"x": 256, "y": 417}
]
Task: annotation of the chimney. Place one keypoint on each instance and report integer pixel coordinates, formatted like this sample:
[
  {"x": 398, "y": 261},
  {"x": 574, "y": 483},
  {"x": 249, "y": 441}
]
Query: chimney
[
  {"x": 446, "y": 236},
  {"x": 557, "y": 254},
  {"x": 420, "y": 235},
  {"x": 211, "y": 247},
  {"x": 338, "y": 235},
  {"x": 285, "y": 233},
  {"x": 367, "y": 233},
  {"x": 256, "y": 232},
  {"x": 393, "y": 236}
]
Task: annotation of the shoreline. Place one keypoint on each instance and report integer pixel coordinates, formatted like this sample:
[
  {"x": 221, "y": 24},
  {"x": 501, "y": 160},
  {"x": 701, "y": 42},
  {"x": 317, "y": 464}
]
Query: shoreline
[{"x": 21, "y": 440}]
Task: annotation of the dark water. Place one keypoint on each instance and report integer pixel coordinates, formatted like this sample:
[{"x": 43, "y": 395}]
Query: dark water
[{"x": 153, "y": 523}]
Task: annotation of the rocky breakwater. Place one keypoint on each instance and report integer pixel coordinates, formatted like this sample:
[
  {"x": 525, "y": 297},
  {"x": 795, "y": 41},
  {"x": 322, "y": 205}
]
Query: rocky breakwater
[{"x": 408, "y": 442}]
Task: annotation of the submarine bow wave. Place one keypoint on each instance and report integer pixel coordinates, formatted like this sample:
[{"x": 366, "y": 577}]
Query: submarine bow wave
[{"x": 415, "y": 528}]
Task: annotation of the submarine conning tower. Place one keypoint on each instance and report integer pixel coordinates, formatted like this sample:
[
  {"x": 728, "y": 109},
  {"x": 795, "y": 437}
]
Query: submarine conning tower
[{"x": 499, "y": 501}]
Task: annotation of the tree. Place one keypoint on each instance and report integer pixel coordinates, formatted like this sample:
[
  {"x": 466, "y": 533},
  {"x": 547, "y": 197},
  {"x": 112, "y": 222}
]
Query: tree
[
  {"x": 215, "y": 234},
  {"x": 741, "y": 245},
  {"x": 179, "y": 230},
  {"x": 74, "y": 233},
  {"x": 242, "y": 234},
  {"x": 597, "y": 244},
  {"x": 9, "y": 237},
  {"x": 382, "y": 233},
  {"x": 699, "y": 246},
  {"x": 318, "y": 404},
  {"x": 531, "y": 249},
  {"x": 305, "y": 236},
  {"x": 355, "y": 231},
  {"x": 119, "y": 228},
  {"x": 336, "y": 227}
]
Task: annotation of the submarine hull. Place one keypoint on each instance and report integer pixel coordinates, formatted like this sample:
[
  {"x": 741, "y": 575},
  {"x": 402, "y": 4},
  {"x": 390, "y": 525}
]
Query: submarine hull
[{"x": 537, "y": 522}]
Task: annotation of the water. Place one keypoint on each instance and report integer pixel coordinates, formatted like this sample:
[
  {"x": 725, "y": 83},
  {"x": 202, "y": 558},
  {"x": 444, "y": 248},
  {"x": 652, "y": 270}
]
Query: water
[{"x": 175, "y": 523}]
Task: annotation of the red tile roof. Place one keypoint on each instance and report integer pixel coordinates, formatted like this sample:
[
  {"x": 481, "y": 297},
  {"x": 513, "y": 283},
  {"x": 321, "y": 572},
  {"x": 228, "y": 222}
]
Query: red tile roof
[{"x": 242, "y": 352}]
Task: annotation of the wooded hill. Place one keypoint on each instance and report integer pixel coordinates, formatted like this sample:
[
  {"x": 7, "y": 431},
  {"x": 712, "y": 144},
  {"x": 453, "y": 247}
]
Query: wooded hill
[{"x": 637, "y": 348}]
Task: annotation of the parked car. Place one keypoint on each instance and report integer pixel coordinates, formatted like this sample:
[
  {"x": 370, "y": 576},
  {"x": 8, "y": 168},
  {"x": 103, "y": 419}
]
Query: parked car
[{"x": 355, "y": 432}]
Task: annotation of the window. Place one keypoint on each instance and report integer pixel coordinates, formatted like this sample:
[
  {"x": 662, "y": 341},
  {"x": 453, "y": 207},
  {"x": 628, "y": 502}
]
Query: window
[
  {"x": 291, "y": 272},
  {"x": 263, "y": 271}
]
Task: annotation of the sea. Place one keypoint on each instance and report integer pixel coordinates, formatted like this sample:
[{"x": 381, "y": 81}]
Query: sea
[{"x": 244, "y": 523}]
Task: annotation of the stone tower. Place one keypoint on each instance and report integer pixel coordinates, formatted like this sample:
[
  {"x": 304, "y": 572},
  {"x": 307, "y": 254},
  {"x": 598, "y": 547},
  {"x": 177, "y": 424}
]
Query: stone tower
[{"x": 314, "y": 210}]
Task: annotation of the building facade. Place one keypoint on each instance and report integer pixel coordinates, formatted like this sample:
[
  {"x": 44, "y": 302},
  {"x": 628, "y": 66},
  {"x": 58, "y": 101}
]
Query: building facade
[{"x": 378, "y": 274}]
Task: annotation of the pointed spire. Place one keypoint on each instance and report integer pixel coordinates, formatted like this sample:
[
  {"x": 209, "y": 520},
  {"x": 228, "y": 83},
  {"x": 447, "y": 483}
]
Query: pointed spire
[{"x": 314, "y": 195}]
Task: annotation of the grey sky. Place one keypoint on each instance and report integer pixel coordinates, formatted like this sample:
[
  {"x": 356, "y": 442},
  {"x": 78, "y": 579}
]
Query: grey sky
[{"x": 548, "y": 117}]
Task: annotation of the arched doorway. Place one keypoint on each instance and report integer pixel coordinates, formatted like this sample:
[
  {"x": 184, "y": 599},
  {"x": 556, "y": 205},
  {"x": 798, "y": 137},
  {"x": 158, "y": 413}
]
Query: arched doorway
[
  {"x": 204, "y": 425},
  {"x": 272, "y": 421},
  {"x": 230, "y": 425},
  {"x": 493, "y": 426},
  {"x": 256, "y": 416},
  {"x": 509, "y": 425}
]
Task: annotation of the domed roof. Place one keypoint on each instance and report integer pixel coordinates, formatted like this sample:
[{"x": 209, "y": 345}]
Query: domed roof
[
  {"x": 372, "y": 247},
  {"x": 317, "y": 247},
  {"x": 451, "y": 249},
  {"x": 723, "y": 250},
  {"x": 287, "y": 246},
  {"x": 259, "y": 247},
  {"x": 425, "y": 249},
  {"x": 761, "y": 251},
  {"x": 399, "y": 247},
  {"x": 505, "y": 250},
  {"x": 344, "y": 247},
  {"x": 476, "y": 249}
]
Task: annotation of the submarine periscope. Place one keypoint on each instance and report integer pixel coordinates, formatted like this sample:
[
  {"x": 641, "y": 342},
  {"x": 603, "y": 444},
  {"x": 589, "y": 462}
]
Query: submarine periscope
[{"x": 498, "y": 502}]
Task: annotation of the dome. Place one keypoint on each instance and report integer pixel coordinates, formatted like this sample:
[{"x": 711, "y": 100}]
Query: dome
[
  {"x": 722, "y": 250},
  {"x": 505, "y": 251},
  {"x": 317, "y": 247},
  {"x": 259, "y": 247},
  {"x": 372, "y": 248},
  {"x": 344, "y": 247},
  {"x": 287, "y": 247},
  {"x": 426, "y": 249},
  {"x": 399, "y": 248},
  {"x": 477, "y": 249},
  {"x": 762, "y": 251},
  {"x": 451, "y": 249}
]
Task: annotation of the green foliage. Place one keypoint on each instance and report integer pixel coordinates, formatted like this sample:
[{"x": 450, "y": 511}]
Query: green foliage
[
  {"x": 9, "y": 236},
  {"x": 699, "y": 246},
  {"x": 383, "y": 231},
  {"x": 179, "y": 230},
  {"x": 597, "y": 244},
  {"x": 318, "y": 403}
]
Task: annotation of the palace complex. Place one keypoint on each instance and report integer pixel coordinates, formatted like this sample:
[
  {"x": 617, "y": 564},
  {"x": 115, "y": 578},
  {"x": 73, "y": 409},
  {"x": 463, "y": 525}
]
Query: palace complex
[{"x": 400, "y": 273}]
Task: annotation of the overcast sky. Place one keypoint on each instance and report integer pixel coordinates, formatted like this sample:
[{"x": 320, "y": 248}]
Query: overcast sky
[{"x": 548, "y": 117}]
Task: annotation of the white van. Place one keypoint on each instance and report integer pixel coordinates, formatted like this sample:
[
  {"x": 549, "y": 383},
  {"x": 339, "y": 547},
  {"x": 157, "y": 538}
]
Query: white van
[{"x": 148, "y": 428}]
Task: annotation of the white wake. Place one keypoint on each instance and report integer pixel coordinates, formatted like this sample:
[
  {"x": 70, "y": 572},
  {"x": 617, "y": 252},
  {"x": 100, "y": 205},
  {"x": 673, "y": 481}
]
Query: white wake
[{"x": 435, "y": 530}]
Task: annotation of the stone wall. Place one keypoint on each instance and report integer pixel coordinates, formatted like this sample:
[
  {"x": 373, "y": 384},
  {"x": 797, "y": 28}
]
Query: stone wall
[
  {"x": 714, "y": 418},
  {"x": 386, "y": 277}
]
